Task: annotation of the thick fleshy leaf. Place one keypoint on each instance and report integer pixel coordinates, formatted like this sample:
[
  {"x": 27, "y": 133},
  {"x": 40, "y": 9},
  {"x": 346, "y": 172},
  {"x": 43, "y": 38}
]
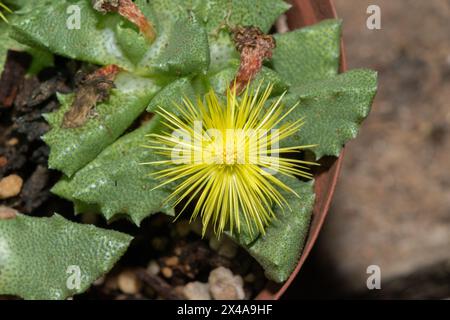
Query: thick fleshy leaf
[
  {"x": 55, "y": 26},
  {"x": 308, "y": 54},
  {"x": 261, "y": 13},
  {"x": 41, "y": 58},
  {"x": 16, "y": 4},
  {"x": 193, "y": 88},
  {"x": 7, "y": 43},
  {"x": 181, "y": 46},
  {"x": 333, "y": 110},
  {"x": 172, "y": 94},
  {"x": 220, "y": 14},
  {"x": 73, "y": 148},
  {"x": 279, "y": 249},
  {"x": 41, "y": 258},
  {"x": 117, "y": 182}
]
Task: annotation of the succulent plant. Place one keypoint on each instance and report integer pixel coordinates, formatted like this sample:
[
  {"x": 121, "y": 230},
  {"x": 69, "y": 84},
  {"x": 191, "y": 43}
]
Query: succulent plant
[{"x": 169, "y": 57}]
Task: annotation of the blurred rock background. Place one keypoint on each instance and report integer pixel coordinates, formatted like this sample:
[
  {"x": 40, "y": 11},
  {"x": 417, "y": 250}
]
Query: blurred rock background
[{"x": 392, "y": 204}]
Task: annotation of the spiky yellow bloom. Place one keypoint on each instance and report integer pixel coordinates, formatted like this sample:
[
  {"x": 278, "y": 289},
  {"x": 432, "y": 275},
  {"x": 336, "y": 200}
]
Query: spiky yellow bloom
[{"x": 226, "y": 158}]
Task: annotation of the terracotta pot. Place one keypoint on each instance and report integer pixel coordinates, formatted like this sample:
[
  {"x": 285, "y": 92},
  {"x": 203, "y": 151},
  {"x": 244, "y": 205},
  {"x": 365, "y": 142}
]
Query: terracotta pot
[{"x": 303, "y": 13}]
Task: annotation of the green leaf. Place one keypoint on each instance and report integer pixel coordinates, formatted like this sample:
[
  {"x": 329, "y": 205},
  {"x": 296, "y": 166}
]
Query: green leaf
[
  {"x": 44, "y": 24},
  {"x": 192, "y": 88},
  {"x": 308, "y": 54},
  {"x": 73, "y": 148},
  {"x": 39, "y": 255},
  {"x": 6, "y": 43},
  {"x": 260, "y": 13},
  {"x": 14, "y": 4},
  {"x": 333, "y": 110},
  {"x": 116, "y": 181},
  {"x": 41, "y": 58},
  {"x": 174, "y": 93},
  {"x": 280, "y": 248},
  {"x": 181, "y": 46}
]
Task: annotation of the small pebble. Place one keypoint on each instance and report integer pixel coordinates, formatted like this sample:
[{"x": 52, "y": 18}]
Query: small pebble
[
  {"x": 153, "y": 268},
  {"x": 167, "y": 272},
  {"x": 179, "y": 291},
  {"x": 7, "y": 213},
  {"x": 172, "y": 261},
  {"x": 10, "y": 186},
  {"x": 178, "y": 251},
  {"x": 197, "y": 291},
  {"x": 128, "y": 282},
  {"x": 223, "y": 285},
  {"x": 12, "y": 142}
]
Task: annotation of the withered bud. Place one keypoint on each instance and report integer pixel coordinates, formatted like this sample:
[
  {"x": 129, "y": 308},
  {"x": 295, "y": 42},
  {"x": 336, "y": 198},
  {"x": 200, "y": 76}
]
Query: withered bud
[
  {"x": 92, "y": 89},
  {"x": 254, "y": 46},
  {"x": 253, "y": 37},
  {"x": 130, "y": 11}
]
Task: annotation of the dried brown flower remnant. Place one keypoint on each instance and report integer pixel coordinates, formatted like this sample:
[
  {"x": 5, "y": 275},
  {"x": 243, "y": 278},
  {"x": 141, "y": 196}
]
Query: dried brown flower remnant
[
  {"x": 130, "y": 11},
  {"x": 254, "y": 46},
  {"x": 94, "y": 88}
]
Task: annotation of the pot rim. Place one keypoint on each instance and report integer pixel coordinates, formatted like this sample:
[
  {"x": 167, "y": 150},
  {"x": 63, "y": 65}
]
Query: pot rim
[{"x": 303, "y": 13}]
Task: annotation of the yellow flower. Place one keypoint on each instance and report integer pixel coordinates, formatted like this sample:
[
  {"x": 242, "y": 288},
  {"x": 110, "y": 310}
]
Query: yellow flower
[{"x": 226, "y": 158}]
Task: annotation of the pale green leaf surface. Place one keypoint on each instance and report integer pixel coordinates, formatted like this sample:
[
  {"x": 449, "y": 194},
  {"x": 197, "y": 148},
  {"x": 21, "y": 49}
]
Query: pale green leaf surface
[
  {"x": 73, "y": 148},
  {"x": 117, "y": 182},
  {"x": 6, "y": 43},
  {"x": 261, "y": 13},
  {"x": 45, "y": 24},
  {"x": 40, "y": 58},
  {"x": 181, "y": 46},
  {"x": 279, "y": 249},
  {"x": 333, "y": 110},
  {"x": 173, "y": 94},
  {"x": 308, "y": 54},
  {"x": 36, "y": 255}
]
